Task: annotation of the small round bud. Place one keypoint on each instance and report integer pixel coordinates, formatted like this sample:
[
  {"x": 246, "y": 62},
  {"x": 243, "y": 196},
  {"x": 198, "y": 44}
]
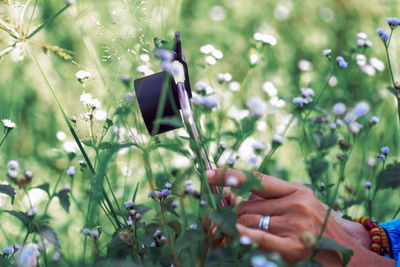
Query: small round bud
[
  {"x": 132, "y": 213},
  {"x": 28, "y": 174},
  {"x": 16, "y": 247},
  {"x": 7, "y": 250},
  {"x": 222, "y": 144},
  {"x": 165, "y": 192},
  {"x": 129, "y": 204},
  {"x": 150, "y": 195},
  {"x": 56, "y": 256},
  {"x": 339, "y": 109},
  {"x": 232, "y": 181},
  {"x": 95, "y": 234},
  {"x": 245, "y": 240},
  {"x": 13, "y": 165},
  {"x": 277, "y": 140},
  {"x": 157, "y": 234},
  {"x": 71, "y": 171},
  {"x": 67, "y": 188},
  {"x": 159, "y": 194},
  {"x": 385, "y": 150},
  {"x": 368, "y": 185},
  {"x": 85, "y": 231},
  {"x": 168, "y": 185},
  {"x": 163, "y": 240},
  {"x": 138, "y": 217},
  {"x": 12, "y": 174}
]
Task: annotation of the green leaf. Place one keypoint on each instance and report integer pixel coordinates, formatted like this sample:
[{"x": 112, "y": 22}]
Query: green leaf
[
  {"x": 22, "y": 216},
  {"x": 390, "y": 176},
  {"x": 190, "y": 238},
  {"x": 308, "y": 263},
  {"x": 48, "y": 233},
  {"x": 328, "y": 244},
  {"x": 4, "y": 262},
  {"x": 328, "y": 141},
  {"x": 116, "y": 248},
  {"x": 45, "y": 187},
  {"x": 225, "y": 219},
  {"x": 142, "y": 209},
  {"x": 248, "y": 126},
  {"x": 8, "y": 190},
  {"x": 64, "y": 200},
  {"x": 170, "y": 210},
  {"x": 176, "y": 225}
]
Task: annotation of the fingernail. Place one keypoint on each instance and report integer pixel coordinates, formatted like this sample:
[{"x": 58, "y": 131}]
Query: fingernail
[{"x": 210, "y": 174}]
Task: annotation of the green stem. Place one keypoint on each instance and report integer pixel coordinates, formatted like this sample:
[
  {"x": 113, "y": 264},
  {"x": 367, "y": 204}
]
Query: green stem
[
  {"x": 4, "y": 138},
  {"x": 47, "y": 22}
]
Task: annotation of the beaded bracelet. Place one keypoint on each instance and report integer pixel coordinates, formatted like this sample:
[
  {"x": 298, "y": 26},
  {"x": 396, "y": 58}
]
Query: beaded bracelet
[{"x": 379, "y": 240}]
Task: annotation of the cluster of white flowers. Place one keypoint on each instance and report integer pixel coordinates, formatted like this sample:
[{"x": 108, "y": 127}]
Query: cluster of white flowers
[
  {"x": 212, "y": 54},
  {"x": 371, "y": 67},
  {"x": 224, "y": 77},
  {"x": 362, "y": 40},
  {"x": 351, "y": 117},
  {"x": 88, "y": 101},
  {"x": 9, "y": 124}
]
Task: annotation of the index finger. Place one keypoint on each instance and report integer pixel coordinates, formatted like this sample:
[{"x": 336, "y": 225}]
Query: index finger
[{"x": 273, "y": 187}]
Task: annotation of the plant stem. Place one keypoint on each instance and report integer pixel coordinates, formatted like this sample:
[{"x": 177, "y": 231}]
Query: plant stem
[
  {"x": 47, "y": 22},
  {"x": 4, "y": 138}
]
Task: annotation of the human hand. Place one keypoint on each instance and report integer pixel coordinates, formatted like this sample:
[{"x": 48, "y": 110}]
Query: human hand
[{"x": 294, "y": 210}]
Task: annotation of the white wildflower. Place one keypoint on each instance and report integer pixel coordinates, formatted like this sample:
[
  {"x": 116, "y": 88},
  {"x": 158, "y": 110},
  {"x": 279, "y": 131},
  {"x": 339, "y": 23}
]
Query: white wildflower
[
  {"x": 8, "y": 124},
  {"x": 305, "y": 65},
  {"x": 234, "y": 86},
  {"x": 217, "y": 54},
  {"x": 144, "y": 57},
  {"x": 270, "y": 88},
  {"x": 377, "y": 64},
  {"x": 368, "y": 69},
  {"x": 100, "y": 115},
  {"x": 217, "y": 13},
  {"x": 210, "y": 60},
  {"x": 83, "y": 75},
  {"x": 207, "y": 49},
  {"x": 61, "y": 136}
]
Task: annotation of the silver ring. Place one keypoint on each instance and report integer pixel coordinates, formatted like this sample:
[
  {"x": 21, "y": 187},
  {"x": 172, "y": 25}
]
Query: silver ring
[{"x": 264, "y": 223}]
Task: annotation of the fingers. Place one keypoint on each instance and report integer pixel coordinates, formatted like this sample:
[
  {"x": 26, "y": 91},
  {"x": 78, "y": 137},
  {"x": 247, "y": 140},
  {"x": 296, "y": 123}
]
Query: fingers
[
  {"x": 231, "y": 198},
  {"x": 265, "y": 241},
  {"x": 263, "y": 207},
  {"x": 273, "y": 187},
  {"x": 250, "y": 220}
]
